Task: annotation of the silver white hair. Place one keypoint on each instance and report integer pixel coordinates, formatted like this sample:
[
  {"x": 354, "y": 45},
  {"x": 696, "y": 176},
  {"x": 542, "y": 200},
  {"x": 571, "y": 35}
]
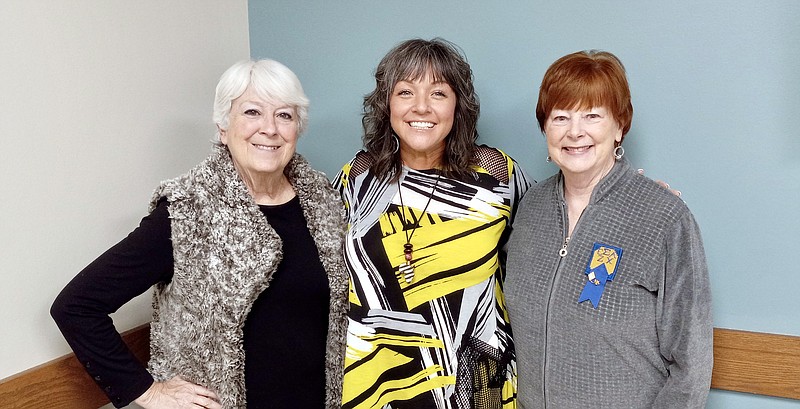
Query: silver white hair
[{"x": 271, "y": 80}]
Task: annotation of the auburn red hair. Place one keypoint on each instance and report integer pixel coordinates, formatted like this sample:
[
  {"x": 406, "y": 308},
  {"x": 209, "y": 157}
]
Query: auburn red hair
[{"x": 583, "y": 80}]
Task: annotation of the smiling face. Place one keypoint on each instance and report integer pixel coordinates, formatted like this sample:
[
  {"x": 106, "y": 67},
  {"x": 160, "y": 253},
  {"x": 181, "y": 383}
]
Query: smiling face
[
  {"x": 581, "y": 141},
  {"x": 261, "y": 136},
  {"x": 421, "y": 114}
]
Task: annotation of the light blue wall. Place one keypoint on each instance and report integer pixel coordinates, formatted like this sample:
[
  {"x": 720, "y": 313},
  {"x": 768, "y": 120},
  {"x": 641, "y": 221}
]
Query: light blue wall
[{"x": 716, "y": 93}]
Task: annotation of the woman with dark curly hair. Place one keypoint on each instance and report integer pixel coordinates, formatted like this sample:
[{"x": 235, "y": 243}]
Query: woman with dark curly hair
[{"x": 428, "y": 213}]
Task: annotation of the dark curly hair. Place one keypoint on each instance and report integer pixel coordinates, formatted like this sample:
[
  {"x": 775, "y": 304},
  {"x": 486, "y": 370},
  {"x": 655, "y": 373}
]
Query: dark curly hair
[{"x": 409, "y": 61}]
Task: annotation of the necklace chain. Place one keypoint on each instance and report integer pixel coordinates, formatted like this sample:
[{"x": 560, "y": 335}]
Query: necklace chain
[{"x": 407, "y": 269}]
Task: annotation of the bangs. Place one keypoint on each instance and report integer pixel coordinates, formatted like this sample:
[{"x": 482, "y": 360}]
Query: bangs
[
  {"x": 582, "y": 90},
  {"x": 273, "y": 90},
  {"x": 423, "y": 62}
]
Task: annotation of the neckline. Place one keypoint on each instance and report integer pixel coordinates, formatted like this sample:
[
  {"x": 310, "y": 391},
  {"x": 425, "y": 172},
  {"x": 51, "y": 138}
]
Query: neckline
[
  {"x": 289, "y": 202},
  {"x": 405, "y": 168}
]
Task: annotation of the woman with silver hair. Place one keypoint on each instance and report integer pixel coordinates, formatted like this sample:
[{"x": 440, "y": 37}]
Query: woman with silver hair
[
  {"x": 244, "y": 252},
  {"x": 428, "y": 212}
]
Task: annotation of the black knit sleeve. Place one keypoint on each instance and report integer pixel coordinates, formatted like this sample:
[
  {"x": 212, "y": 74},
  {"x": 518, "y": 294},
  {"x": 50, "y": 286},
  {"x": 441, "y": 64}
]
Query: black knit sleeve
[{"x": 82, "y": 309}]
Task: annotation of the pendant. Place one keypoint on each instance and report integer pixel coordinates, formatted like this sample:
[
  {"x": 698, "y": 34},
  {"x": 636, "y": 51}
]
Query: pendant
[
  {"x": 407, "y": 270},
  {"x": 408, "y": 250}
]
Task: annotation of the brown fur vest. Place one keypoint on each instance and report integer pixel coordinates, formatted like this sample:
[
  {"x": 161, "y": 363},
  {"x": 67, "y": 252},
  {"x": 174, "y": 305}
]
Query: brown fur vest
[{"x": 225, "y": 254}]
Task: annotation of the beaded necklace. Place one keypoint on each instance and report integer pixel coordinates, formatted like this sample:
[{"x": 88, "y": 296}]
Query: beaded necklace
[{"x": 407, "y": 268}]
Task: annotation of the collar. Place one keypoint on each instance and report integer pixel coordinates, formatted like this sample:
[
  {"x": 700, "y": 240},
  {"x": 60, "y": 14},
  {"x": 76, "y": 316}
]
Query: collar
[
  {"x": 226, "y": 180},
  {"x": 620, "y": 173}
]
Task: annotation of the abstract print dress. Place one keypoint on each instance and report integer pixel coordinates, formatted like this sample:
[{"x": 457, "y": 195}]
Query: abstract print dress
[{"x": 442, "y": 340}]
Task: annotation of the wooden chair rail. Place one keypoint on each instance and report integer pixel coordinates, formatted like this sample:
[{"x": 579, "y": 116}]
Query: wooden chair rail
[
  {"x": 750, "y": 362},
  {"x": 756, "y": 362},
  {"x": 63, "y": 383}
]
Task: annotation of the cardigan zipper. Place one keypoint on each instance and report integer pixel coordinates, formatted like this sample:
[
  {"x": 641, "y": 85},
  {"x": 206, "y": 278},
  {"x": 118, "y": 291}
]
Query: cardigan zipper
[{"x": 562, "y": 254}]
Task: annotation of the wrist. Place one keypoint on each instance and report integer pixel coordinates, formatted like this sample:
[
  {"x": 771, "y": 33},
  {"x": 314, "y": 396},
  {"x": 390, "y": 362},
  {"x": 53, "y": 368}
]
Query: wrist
[{"x": 147, "y": 396}]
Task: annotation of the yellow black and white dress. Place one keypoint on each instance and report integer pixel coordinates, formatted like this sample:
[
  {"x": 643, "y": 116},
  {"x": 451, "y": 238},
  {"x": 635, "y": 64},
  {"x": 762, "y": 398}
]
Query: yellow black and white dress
[{"x": 442, "y": 340}]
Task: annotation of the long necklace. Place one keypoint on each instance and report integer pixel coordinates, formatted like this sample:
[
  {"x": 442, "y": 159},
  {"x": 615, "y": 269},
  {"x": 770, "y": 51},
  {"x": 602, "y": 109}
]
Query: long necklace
[{"x": 407, "y": 268}]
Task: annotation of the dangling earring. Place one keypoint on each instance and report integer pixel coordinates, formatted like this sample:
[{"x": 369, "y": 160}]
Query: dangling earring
[
  {"x": 619, "y": 152},
  {"x": 396, "y": 143},
  {"x": 549, "y": 159}
]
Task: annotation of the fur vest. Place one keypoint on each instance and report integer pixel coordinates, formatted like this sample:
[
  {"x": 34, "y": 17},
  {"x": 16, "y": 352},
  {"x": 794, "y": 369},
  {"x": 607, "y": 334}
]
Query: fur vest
[{"x": 225, "y": 254}]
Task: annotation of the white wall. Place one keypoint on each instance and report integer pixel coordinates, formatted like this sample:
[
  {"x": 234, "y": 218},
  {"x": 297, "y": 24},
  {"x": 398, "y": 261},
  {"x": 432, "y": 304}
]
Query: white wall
[{"x": 99, "y": 101}]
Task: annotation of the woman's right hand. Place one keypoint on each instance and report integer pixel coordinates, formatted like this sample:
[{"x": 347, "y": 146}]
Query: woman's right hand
[{"x": 177, "y": 393}]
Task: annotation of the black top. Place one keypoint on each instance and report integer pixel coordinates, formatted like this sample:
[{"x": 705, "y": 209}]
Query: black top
[{"x": 284, "y": 335}]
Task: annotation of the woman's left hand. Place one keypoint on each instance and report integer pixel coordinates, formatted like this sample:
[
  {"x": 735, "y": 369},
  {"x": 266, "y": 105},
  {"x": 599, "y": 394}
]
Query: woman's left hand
[
  {"x": 675, "y": 192},
  {"x": 177, "y": 393}
]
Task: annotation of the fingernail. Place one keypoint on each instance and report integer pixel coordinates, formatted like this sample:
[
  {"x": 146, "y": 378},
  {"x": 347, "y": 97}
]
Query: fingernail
[{"x": 640, "y": 171}]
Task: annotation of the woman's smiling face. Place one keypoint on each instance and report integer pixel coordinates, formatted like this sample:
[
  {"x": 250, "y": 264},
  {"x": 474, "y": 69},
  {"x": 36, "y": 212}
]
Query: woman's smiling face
[
  {"x": 422, "y": 112},
  {"x": 582, "y": 141},
  {"x": 261, "y": 136}
]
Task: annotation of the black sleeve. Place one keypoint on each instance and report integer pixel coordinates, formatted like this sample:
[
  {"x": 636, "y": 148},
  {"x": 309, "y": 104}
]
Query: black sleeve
[{"x": 82, "y": 309}]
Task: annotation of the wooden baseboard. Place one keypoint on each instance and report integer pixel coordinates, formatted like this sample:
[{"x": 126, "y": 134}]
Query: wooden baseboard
[
  {"x": 750, "y": 362},
  {"x": 756, "y": 362},
  {"x": 63, "y": 383}
]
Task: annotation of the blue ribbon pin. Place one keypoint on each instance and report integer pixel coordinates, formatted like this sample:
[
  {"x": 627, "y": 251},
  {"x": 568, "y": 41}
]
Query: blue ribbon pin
[{"x": 602, "y": 267}]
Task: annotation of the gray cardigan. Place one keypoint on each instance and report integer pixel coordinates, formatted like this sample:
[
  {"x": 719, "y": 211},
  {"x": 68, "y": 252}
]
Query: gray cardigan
[
  {"x": 648, "y": 344},
  {"x": 225, "y": 254}
]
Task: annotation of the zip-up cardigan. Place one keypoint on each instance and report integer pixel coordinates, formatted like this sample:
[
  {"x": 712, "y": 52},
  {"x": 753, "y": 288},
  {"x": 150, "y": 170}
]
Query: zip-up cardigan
[
  {"x": 648, "y": 344},
  {"x": 225, "y": 253}
]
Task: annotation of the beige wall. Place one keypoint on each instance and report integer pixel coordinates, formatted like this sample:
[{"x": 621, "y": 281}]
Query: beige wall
[{"x": 99, "y": 101}]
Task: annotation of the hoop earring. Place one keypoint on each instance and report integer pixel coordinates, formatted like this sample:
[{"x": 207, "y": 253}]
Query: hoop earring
[
  {"x": 396, "y": 143},
  {"x": 619, "y": 152}
]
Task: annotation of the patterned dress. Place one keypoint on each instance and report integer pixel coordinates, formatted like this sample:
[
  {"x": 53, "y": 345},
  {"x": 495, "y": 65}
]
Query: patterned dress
[{"x": 442, "y": 340}]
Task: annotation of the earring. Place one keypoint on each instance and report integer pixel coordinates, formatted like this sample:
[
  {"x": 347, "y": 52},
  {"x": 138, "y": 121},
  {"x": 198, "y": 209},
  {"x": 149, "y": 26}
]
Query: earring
[
  {"x": 396, "y": 143},
  {"x": 549, "y": 159},
  {"x": 619, "y": 152}
]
